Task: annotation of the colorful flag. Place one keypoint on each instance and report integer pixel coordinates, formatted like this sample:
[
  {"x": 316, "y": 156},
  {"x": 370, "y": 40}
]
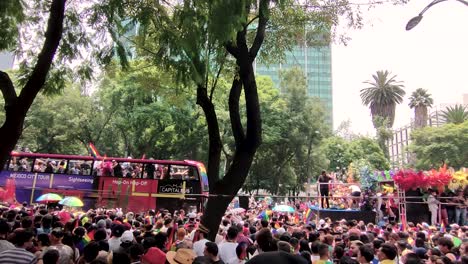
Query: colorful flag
[
  {"x": 170, "y": 239},
  {"x": 83, "y": 242},
  {"x": 94, "y": 151},
  {"x": 307, "y": 215},
  {"x": 265, "y": 215},
  {"x": 442, "y": 228}
]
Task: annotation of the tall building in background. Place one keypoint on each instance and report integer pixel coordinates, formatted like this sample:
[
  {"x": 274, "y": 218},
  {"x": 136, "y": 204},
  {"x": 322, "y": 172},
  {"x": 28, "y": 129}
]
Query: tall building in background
[{"x": 315, "y": 62}]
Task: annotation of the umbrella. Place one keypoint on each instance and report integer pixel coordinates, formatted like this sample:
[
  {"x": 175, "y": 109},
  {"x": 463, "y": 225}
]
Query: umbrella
[
  {"x": 237, "y": 210},
  {"x": 283, "y": 208},
  {"x": 49, "y": 198},
  {"x": 71, "y": 201}
]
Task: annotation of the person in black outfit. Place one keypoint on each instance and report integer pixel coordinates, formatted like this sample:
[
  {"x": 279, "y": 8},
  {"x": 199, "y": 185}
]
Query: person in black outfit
[
  {"x": 150, "y": 169},
  {"x": 323, "y": 182},
  {"x": 117, "y": 169}
]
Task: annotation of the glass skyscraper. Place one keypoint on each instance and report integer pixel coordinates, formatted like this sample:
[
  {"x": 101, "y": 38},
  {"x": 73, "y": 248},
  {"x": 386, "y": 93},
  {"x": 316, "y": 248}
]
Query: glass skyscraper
[{"x": 315, "y": 62}]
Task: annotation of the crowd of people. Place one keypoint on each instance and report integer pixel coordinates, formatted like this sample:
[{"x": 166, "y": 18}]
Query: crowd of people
[{"x": 50, "y": 235}]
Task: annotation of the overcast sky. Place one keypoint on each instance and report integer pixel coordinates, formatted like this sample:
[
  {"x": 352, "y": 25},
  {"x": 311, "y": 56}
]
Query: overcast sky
[{"x": 433, "y": 55}]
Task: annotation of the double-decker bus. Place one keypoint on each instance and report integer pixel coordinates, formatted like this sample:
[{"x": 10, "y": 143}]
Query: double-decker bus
[{"x": 133, "y": 184}]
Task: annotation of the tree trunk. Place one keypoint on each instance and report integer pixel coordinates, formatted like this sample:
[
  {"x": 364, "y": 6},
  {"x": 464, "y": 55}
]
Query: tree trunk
[
  {"x": 420, "y": 116},
  {"x": 16, "y": 107},
  {"x": 246, "y": 142}
]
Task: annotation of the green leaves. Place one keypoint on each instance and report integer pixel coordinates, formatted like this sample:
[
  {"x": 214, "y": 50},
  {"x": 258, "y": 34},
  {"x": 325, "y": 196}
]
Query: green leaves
[
  {"x": 456, "y": 114},
  {"x": 420, "y": 98},
  {"x": 293, "y": 128},
  {"x": 435, "y": 145},
  {"x": 384, "y": 93},
  {"x": 11, "y": 15},
  {"x": 341, "y": 153}
]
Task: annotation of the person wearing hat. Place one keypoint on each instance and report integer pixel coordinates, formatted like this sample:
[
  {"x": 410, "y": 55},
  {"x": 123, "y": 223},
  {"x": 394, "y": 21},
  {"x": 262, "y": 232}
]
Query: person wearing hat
[
  {"x": 200, "y": 236},
  {"x": 433, "y": 205},
  {"x": 114, "y": 242},
  {"x": 126, "y": 241},
  {"x": 153, "y": 254},
  {"x": 181, "y": 256}
]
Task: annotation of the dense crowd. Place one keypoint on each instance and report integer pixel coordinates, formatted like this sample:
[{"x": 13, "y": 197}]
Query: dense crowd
[{"x": 40, "y": 235}]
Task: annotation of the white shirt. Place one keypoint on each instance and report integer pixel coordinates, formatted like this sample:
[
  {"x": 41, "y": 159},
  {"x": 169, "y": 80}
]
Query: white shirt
[
  {"x": 354, "y": 188},
  {"x": 227, "y": 251},
  {"x": 235, "y": 261},
  {"x": 114, "y": 243},
  {"x": 199, "y": 246}
]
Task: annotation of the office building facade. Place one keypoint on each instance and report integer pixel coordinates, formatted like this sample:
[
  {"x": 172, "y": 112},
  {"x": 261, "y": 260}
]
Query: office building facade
[{"x": 315, "y": 62}]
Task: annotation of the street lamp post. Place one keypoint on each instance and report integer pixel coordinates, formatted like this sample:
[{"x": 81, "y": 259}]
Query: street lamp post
[{"x": 415, "y": 20}]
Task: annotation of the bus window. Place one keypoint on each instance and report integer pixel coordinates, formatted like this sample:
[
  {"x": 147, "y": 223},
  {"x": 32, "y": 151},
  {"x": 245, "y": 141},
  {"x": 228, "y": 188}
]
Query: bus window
[
  {"x": 61, "y": 167},
  {"x": 97, "y": 168},
  {"x": 39, "y": 165},
  {"x": 149, "y": 171},
  {"x": 85, "y": 167},
  {"x": 161, "y": 171},
  {"x": 193, "y": 173},
  {"x": 102, "y": 168},
  {"x": 79, "y": 167},
  {"x": 21, "y": 164},
  {"x": 182, "y": 172},
  {"x": 135, "y": 170},
  {"x": 50, "y": 165}
]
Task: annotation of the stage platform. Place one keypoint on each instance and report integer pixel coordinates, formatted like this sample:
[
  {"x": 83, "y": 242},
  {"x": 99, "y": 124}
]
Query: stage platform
[{"x": 337, "y": 214}]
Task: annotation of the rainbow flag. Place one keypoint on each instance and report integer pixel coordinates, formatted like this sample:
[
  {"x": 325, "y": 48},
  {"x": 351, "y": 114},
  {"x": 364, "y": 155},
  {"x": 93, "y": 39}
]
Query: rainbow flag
[
  {"x": 170, "y": 239},
  {"x": 307, "y": 214},
  {"x": 264, "y": 215},
  {"x": 93, "y": 149},
  {"x": 80, "y": 245},
  {"x": 149, "y": 220},
  {"x": 277, "y": 225},
  {"x": 442, "y": 228}
]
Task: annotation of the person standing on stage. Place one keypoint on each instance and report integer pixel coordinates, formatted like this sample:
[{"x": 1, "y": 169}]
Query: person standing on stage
[
  {"x": 324, "y": 188},
  {"x": 433, "y": 205}
]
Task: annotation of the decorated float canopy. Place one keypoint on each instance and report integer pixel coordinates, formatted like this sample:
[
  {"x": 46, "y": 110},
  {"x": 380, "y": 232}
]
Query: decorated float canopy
[{"x": 407, "y": 179}]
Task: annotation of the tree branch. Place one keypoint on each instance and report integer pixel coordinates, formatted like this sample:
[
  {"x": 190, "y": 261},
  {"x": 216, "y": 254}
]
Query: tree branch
[
  {"x": 8, "y": 90},
  {"x": 262, "y": 22},
  {"x": 215, "y": 81},
  {"x": 251, "y": 21},
  {"x": 106, "y": 121},
  {"x": 53, "y": 35},
  {"x": 236, "y": 124},
  {"x": 234, "y": 51}
]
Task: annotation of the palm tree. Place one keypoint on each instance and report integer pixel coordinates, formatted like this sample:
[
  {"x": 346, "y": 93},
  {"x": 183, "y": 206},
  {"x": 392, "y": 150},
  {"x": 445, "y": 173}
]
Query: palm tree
[
  {"x": 456, "y": 115},
  {"x": 420, "y": 100},
  {"x": 382, "y": 97}
]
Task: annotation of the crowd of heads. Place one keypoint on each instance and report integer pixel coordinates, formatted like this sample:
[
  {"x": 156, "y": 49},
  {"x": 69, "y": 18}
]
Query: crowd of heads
[{"x": 46, "y": 235}]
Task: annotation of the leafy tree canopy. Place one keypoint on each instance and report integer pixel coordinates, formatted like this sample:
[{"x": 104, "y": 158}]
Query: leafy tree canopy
[
  {"x": 341, "y": 153},
  {"x": 435, "y": 146}
]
